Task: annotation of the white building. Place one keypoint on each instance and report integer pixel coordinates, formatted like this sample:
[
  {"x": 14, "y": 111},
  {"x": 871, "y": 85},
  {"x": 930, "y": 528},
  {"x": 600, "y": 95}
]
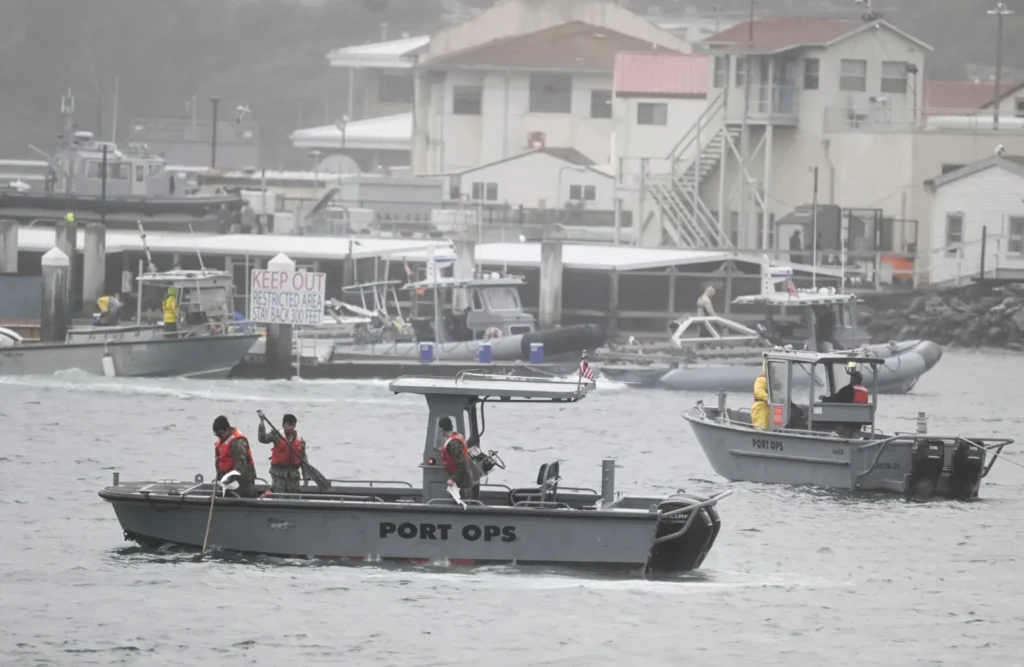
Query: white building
[
  {"x": 522, "y": 75},
  {"x": 845, "y": 96},
  {"x": 986, "y": 195},
  {"x": 538, "y": 179}
]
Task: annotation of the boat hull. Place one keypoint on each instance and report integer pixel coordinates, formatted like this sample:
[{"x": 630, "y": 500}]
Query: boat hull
[
  {"x": 905, "y": 364},
  {"x": 382, "y": 529},
  {"x": 209, "y": 357},
  {"x": 156, "y": 213},
  {"x": 741, "y": 453}
]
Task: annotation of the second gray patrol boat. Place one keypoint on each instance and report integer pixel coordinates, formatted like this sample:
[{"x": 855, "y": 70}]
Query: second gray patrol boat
[
  {"x": 811, "y": 441},
  {"x": 541, "y": 524}
]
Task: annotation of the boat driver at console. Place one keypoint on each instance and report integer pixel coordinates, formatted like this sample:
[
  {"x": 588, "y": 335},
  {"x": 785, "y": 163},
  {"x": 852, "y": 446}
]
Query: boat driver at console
[
  {"x": 455, "y": 456},
  {"x": 855, "y": 392}
]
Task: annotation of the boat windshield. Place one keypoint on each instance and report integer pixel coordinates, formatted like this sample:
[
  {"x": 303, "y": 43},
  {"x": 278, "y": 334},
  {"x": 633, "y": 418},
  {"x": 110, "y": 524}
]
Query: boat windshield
[
  {"x": 503, "y": 298},
  {"x": 803, "y": 375}
]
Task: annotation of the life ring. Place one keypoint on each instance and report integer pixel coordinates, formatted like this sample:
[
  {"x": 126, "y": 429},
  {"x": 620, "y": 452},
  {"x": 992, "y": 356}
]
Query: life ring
[{"x": 492, "y": 333}]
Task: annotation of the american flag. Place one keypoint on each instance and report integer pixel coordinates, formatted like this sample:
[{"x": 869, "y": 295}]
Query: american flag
[
  {"x": 586, "y": 371},
  {"x": 791, "y": 288}
]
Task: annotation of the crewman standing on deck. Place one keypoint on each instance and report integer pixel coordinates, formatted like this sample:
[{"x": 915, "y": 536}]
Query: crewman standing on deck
[
  {"x": 231, "y": 452},
  {"x": 455, "y": 456},
  {"x": 287, "y": 456},
  {"x": 170, "y": 308},
  {"x": 759, "y": 411}
]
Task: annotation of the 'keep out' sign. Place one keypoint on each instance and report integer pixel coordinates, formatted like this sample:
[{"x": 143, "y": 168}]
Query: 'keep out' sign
[{"x": 286, "y": 297}]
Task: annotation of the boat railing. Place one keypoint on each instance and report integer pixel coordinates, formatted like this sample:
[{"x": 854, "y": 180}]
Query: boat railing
[
  {"x": 451, "y": 501},
  {"x": 370, "y": 482},
  {"x": 539, "y": 504},
  {"x": 693, "y": 511},
  {"x": 783, "y": 431},
  {"x": 995, "y": 448},
  {"x": 342, "y": 497}
]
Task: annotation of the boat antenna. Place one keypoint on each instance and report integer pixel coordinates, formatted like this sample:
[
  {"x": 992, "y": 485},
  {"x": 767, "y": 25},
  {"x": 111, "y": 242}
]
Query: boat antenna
[
  {"x": 145, "y": 247},
  {"x": 198, "y": 254}
]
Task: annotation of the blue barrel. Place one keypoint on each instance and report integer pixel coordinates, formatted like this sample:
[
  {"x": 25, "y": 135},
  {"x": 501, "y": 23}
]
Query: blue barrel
[
  {"x": 536, "y": 353},
  {"x": 426, "y": 352},
  {"x": 484, "y": 354}
]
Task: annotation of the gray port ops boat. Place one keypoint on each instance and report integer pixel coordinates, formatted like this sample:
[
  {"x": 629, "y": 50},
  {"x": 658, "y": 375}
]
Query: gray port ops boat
[
  {"x": 542, "y": 524},
  {"x": 813, "y": 440}
]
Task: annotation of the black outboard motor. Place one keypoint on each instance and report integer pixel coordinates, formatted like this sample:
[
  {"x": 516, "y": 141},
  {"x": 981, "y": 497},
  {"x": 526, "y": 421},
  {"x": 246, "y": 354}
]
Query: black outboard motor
[
  {"x": 965, "y": 470},
  {"x": 926, "y": 463}
]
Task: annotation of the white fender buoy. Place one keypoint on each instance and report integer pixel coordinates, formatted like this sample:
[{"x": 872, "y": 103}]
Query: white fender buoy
[{"x": 108, "y": 366}]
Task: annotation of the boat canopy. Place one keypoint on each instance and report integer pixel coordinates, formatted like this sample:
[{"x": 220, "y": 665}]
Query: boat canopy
[
  {"x": 801, "y": 384},
  {"x": 503, "y": 387},
  {"x": 184, "y": 277}
]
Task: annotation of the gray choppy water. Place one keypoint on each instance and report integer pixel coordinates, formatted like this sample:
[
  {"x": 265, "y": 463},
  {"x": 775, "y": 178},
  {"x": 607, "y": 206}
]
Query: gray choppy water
[{"x": 798, "y": 576}]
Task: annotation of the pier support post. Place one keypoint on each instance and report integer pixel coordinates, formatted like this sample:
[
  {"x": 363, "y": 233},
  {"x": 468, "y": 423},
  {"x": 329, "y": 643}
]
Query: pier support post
[
  {"x": 550, "y": 302},
  {"x": 8, "y": 246},
  {"x": 56, "y": 289},
  {"x": 94, "y": 266},
  {"x": 279, "y": 336},
  {"x": 66, "y": 238}
]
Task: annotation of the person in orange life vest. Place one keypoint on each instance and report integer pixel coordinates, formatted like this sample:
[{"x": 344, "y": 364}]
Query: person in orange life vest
[
  {"x": 231, "y": 452},
  {"x": 855, "y": 392},
  {"x": 286, "y": 458},
  {"x": 455, "y": 456}
]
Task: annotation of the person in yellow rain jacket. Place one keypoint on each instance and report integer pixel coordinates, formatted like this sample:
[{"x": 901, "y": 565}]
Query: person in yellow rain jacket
[
  {"x": 759, "y": 411},
  {"x": 171, "y": 311}
]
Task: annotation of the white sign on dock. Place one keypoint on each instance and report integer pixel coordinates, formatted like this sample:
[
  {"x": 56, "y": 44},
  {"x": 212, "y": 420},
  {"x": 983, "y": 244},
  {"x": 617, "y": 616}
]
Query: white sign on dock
[{"x": 286, "y": 297}]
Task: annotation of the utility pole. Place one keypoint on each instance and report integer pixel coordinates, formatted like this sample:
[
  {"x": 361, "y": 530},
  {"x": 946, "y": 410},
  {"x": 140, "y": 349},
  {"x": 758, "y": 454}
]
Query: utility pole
[
  {"x": 213, "y": 139},
  {"x": 744, "y": 130},
  {"x": 999, "y": 12}
]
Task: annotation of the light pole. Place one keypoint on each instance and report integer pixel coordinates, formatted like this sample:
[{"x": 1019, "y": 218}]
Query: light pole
[
  {"x": 999, "y": 12},
  {"x": 213, "y": 138}
]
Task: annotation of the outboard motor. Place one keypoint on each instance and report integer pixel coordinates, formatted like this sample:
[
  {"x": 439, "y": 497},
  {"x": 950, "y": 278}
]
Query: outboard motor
[
  {"x": 965, "y": 470},
  {"x": 926, "y": 463},
  {"x": 686, "y": 551}
]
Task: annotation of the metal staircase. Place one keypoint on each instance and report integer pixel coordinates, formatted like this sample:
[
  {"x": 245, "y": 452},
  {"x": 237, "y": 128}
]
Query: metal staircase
[{"x": 687, "y": 220}]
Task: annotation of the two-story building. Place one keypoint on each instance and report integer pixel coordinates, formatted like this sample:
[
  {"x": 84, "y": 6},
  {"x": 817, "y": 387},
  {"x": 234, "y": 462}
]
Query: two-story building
[
  {"x": 843, "y": 95},
  {"x": 524, "y": 75}
]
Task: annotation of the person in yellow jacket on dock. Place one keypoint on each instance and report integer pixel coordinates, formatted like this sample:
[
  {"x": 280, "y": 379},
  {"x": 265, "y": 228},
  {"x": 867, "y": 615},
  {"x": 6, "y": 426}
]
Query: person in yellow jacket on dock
[{"x": 759, "y": 411}]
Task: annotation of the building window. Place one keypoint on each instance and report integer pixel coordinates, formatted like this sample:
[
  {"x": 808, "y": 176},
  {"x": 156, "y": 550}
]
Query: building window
[
  {"x": 1020, "y": 107},
  {"x": 741, "y": 71},
  {"x": 853, "y": 75},
  {"x": 954, "y": 229},
  {"x": 811, "y": 68},
  {"x": 550, "y": 92},
  {"x": 1015, "y": 243},
  {"x": 467, "y": 100},
  {"x": 600, "y": 104},
  {"x": 894, "y": 77},
  {"x": 582, "y": 192},
  {"x": 394, "y": 87},
  {"x": 485, "y": 191},
  {"x": 721, "y": 79},
  {"x": 652, "y": 113}
]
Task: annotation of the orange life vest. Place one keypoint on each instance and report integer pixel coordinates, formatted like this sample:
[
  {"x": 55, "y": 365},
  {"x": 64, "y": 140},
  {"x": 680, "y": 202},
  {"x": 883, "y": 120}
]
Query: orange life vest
[
  {"x": 860, "y": 394},
  {"x": 283, "y": 455},
  {"x": 224, "y": 458},
  {"x": 450, "y": 465}
]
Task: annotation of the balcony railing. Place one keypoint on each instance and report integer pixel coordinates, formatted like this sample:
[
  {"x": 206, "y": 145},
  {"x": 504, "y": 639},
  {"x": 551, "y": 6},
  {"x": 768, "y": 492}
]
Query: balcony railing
[{"x": 876, "y": 117}]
